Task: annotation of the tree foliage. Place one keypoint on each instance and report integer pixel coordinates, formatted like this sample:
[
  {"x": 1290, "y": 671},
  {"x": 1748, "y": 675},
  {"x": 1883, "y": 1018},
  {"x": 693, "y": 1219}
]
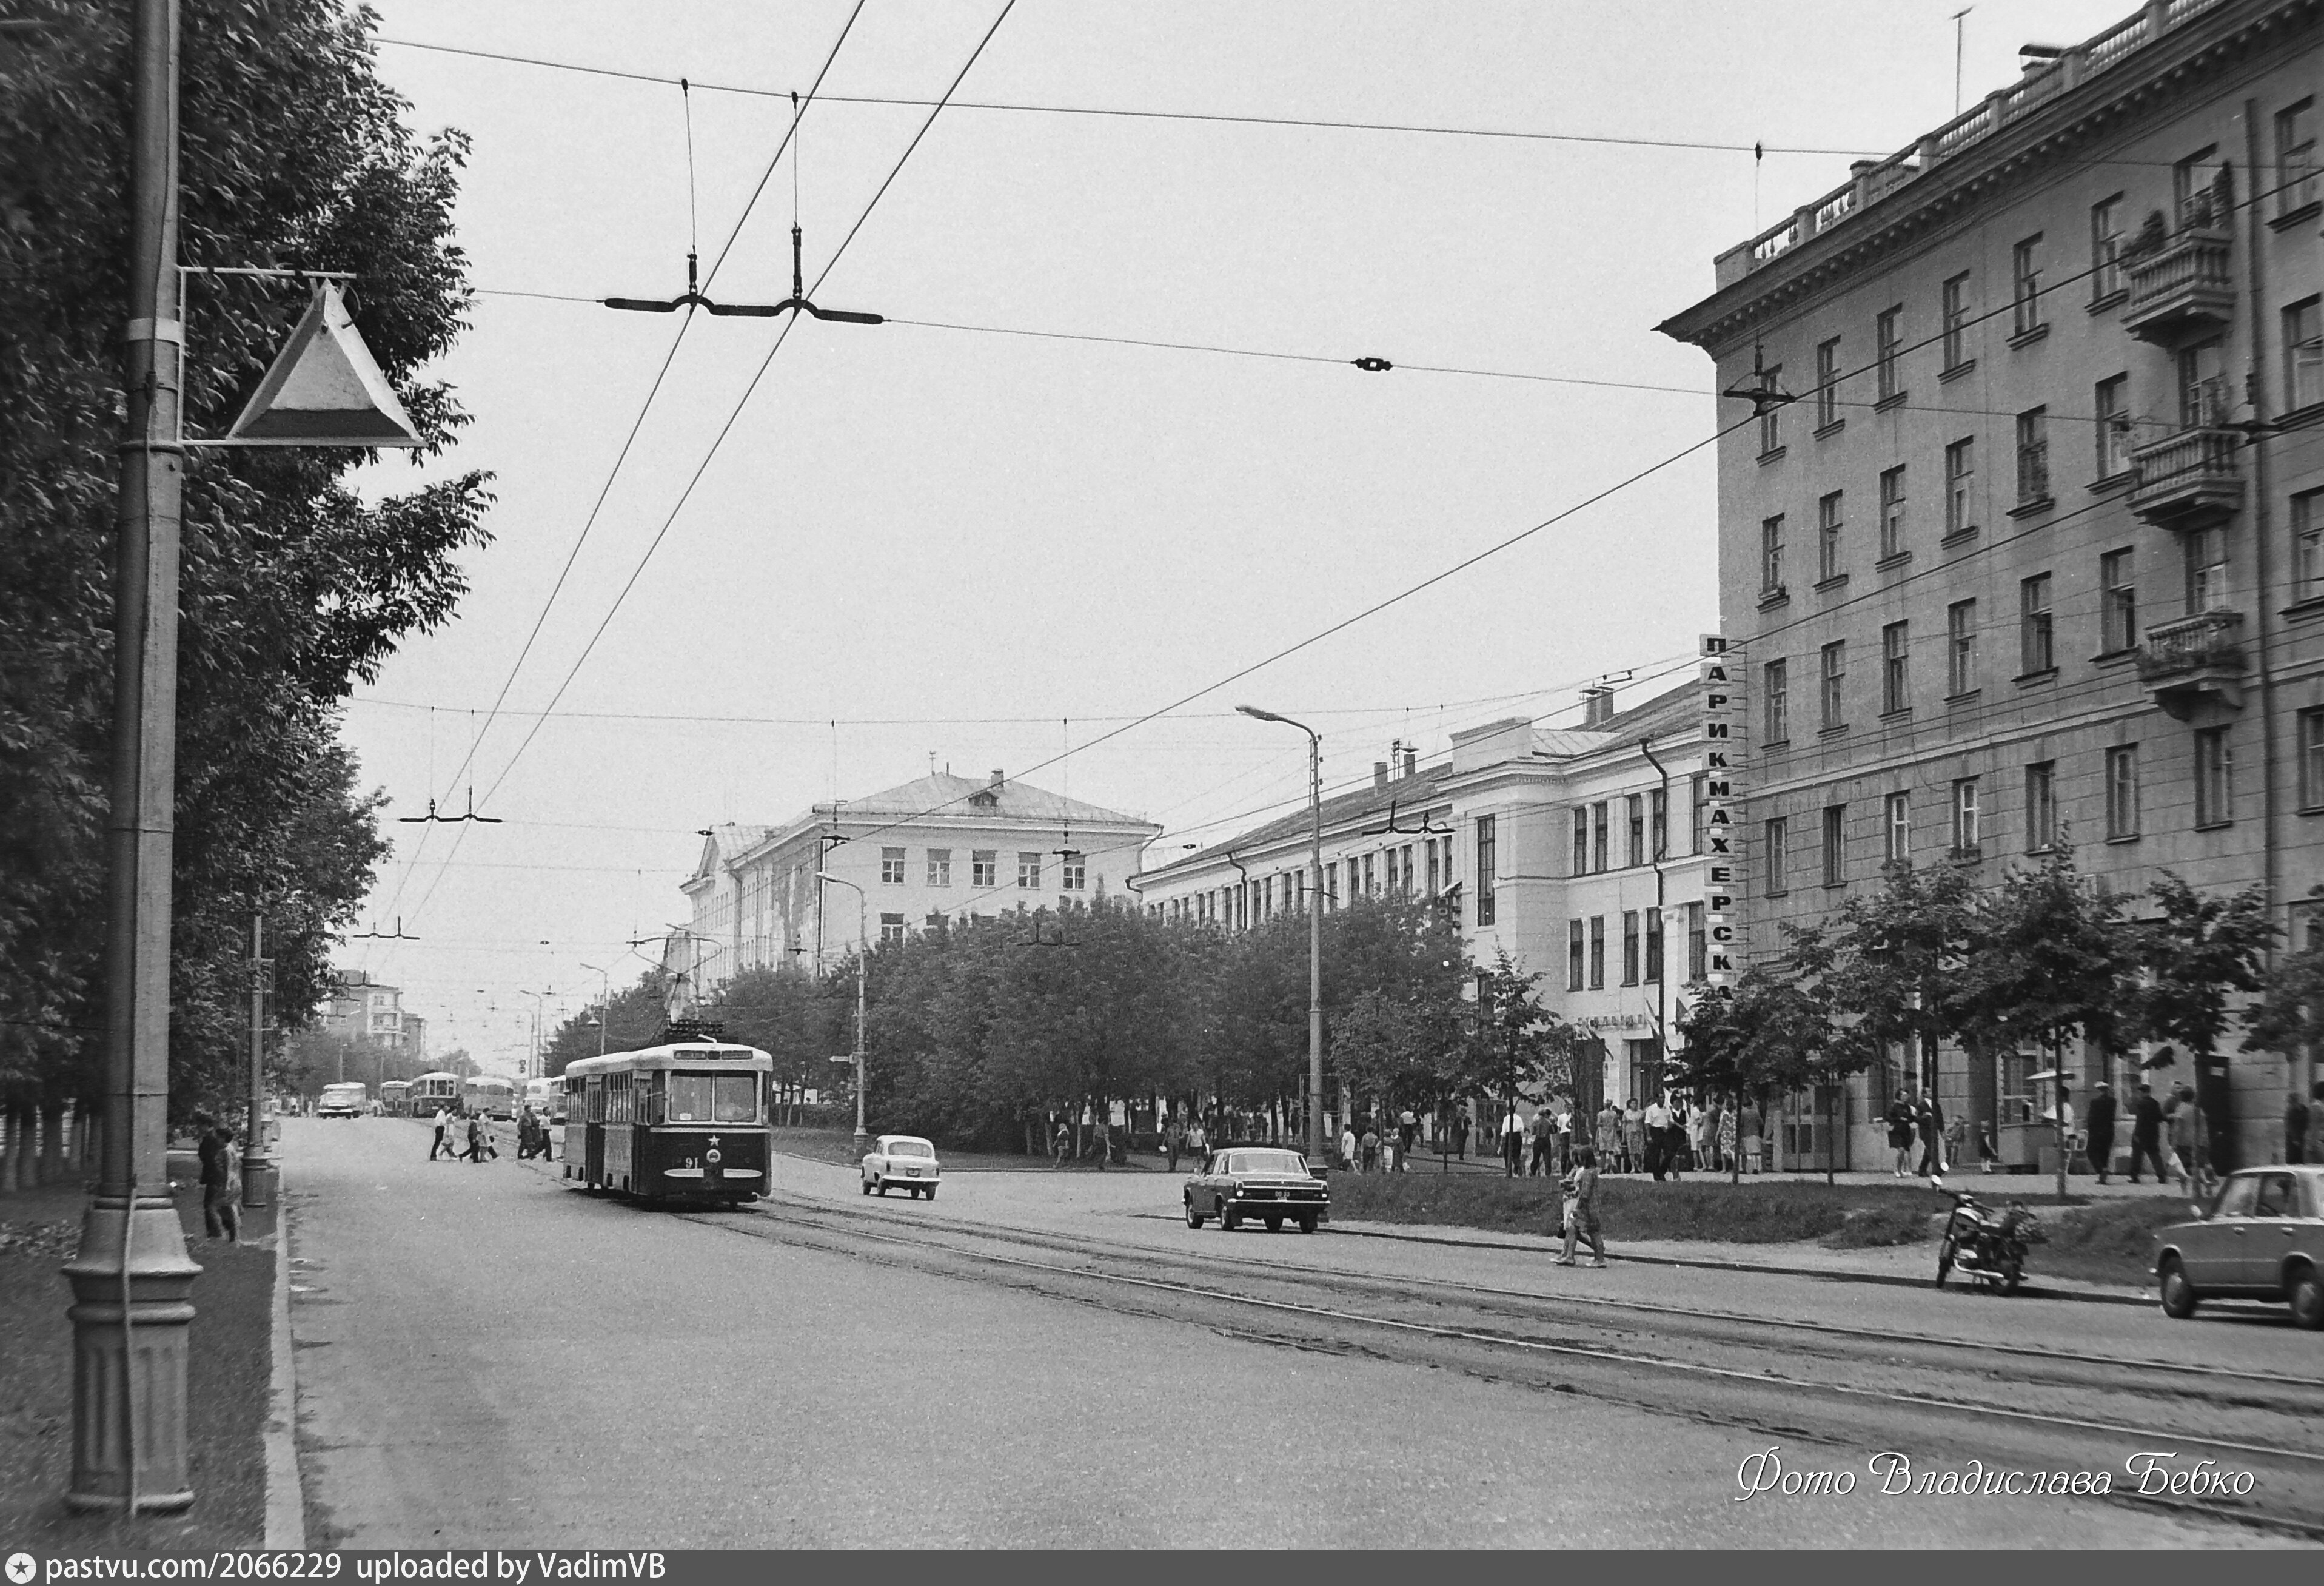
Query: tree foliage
[{"x": 2049, "y": 960}]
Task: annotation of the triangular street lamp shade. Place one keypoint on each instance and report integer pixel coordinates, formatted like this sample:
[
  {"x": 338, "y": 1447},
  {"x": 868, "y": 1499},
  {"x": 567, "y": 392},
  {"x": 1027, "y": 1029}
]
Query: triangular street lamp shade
[{"x": 324, "y": 389}]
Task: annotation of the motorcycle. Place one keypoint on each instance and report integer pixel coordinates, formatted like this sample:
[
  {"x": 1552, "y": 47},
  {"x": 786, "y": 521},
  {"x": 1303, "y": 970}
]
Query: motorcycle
[{"x": 1987, "y": 1245}]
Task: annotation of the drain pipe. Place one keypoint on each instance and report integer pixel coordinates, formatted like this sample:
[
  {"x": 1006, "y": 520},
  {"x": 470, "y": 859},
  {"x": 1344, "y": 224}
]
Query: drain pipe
[{"x": 1661, "y": 846}]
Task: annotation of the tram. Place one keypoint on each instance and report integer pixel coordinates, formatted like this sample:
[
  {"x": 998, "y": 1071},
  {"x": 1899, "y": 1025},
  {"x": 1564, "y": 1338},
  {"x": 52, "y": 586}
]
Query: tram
[
  {"x": 395, "y": 1098},
  {"x": 685, "y": 1121},
  {"x": 489, "y": 1095},
  {"x": 430, "y": 1091}
]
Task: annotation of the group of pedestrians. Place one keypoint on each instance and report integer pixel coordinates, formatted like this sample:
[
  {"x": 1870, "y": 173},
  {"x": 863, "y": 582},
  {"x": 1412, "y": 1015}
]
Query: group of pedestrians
[
  {"x": 1921, "y": 1121},
  {"x": 1368, "y": 1146},
  {"x": 221, "y": 1189},
  {"x": 455, "y": 1125}
]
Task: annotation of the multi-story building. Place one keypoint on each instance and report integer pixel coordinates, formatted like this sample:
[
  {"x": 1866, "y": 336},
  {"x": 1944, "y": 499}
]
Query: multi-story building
[
  {"x": 941, "y": 848},
  {"x": 1580, "y": 851},
  {"x": 2020, "y": 500},
  {"x": 365, "y": 1009}
]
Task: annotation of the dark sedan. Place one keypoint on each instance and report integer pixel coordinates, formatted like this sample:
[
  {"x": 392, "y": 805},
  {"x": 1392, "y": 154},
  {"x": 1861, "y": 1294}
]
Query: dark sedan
[
  {"x": 2262, "y": 1239},
  {"x": 1250, "y": 1181}
]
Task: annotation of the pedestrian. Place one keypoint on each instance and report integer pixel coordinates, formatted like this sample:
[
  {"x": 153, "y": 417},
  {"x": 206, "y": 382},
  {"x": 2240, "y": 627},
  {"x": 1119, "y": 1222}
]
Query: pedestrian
[
  {"x": 1173, "y": 1137},
  {"x": 1750, "y": 1127},
  {"x": 1900, "y": 1133},
  {"x": 2146, "y": 1134},
  {"x": 1198, "y": 1139},
  {"x": 1705, "y": 1136},
  {"x": 1678, "y": 1151},
  {"x": 2099, "y": 1123},
  {"x": 1564, "y": 1136},
  {"x": 2179, "y": 1115},
  {"x": 1461, "y": 1133},
  {"x": 1654, "y": 1130},
  {"x": 1061, "y": 1141},
  {"x": 1581, "y": 1188},
  {"x": 2316, "y": 1122},
  {"x": 443, "y": 1143},
  {"x": 1610, "y": 1132},
  {"x": 1368, "y": 1150},
  {"x": 220, "y": 1215},
  {"x": 1957, "y": 1140},
  {"x": 1633, "y": 1136},
  {"x": 2295, "y": 1130},
  {"x": 1513, "y": 1139},
  {"x": 1104, "y": 1140},
  {"x": 1407, "y": 1136},
  {"x": 1349, "y": 1147},
  {"x": 1542, "y": 1132},
  {"x": 1929, "y": 1120},
  {"x": 1730, "y": 1138}
]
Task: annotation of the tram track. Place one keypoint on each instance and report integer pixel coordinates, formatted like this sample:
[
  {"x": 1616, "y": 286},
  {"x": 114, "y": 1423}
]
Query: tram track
[{"x": 2017, "y": 1405}]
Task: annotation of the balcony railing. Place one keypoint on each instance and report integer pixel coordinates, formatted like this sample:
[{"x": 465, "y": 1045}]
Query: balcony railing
[
  {"x": 2183, "y": 284},
  {"x": 2195, "y": 659},
  {"x": 2187, "y": 480}
]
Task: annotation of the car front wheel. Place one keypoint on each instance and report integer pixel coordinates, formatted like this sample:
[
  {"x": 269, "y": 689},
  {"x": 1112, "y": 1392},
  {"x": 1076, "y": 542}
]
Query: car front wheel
[
  {"x": 2307, "y": 1299},
  {"x": 1193, "y": 1218},
  {"x": 2178, "y": 1296},
  {"x": 867, "y": 1186},
  {"x": 1229, "y": 1220},
  {"x": 1307, "y": 1223}
]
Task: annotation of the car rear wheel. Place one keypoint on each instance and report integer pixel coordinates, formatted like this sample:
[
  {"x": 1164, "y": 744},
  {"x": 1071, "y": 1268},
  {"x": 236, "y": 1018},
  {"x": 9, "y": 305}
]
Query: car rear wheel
[
  {"x": 2307, "y": 1292},
  {"x": 932, "y": 1191},
  {"x": 2178, "y": 1296},
  {"x": 1193, "y": 1218},
  {"x": 1274, "y": 1225}
]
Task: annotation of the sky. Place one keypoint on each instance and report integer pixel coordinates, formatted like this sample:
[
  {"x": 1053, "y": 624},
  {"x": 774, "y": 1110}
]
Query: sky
[{"x": 821, "y": 568}]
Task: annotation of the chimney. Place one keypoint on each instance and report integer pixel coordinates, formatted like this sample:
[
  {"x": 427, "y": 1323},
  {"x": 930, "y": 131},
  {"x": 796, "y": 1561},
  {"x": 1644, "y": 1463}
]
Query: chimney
[
  {"x": 1412, "y": 762},
  {"x": 1380, "y": 774},
  {"x": 1596, "y": 706},
  {"x": 997, "y": 778}
]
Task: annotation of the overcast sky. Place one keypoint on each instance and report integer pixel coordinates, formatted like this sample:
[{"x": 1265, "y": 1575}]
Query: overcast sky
[{"x": 923, "y": 545}]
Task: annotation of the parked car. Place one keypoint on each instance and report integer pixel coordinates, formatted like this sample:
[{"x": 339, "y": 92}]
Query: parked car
[
  {"x": 2262, "y": 1239},
  {"x": 1271, "y": 1185},
  {"x": 904, "y": 1161}
]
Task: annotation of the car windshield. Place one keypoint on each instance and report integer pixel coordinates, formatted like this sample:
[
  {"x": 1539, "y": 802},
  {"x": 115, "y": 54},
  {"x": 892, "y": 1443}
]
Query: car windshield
[
  {"x": 687, "y": 1100},
  {"x": 910, "y": 1148},
  {"x": 1285, "y": 1162},
  {"x": 2236, "y": 1196},
  {"x": 737, "y": 1102}
]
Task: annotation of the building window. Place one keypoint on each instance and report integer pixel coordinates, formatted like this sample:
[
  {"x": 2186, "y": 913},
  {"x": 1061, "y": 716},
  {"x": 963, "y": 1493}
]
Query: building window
[
  {"x": 1835, "y": 671},
  {"x": 1967, "y": 832},
  {"x": 2311, "y": 759},
  {"x": 2207, "y": 569},
  {"x": 1777, "y": 834},
  {"x": 1658, "y": 823},
  {"x": 2041, "y": 806},
  {"x": 2190, "y": 190},
  {"x": 1828, "y": 537},
  {"x": 1028, "y": 872},
  {"x": 1776, "y": 701},
  {"x": 1896, "y": 678},
  {"x": 891, "y": 928},
  {"x": 1630, "y": 946},
  {"x": 1960, "y": 484},
  {"x": 1372, "y": 883},
  {"x": 1598, "y": 857},
  {"x": 2122, "y": 790},
  {"x": 1891, "y": 512},
  {"x": 1074, "y": 872},
  {"x": 2032, "y": 456},
  {"x": 1956, "y": 322},
  {"x": 891, "y": 866},
  {"x": 1582, "y": 839},
  {"x": 2111, "y": 398},
  {"x": 940, "y": 866},
  {"x": 2303, "y": 356},
  {"x": 2036, "y": 636},
  {"x": 1637, "y": 814},
  {"x": 1898, "y": 824},
  {"x": 1485, "y": 870},
  {"x": 2295, "y": 157},
  {"x": 2118, "y": 600},
  {"x": 984, "y": 867},
  {"x": 1576, "y": 955},
  {"x": 1654, "y": 947},
  {"x": 2308, "y": 542},
  {"x": 1771, "y": 555},
  {"x": 1771, "y": 417},
  {"x": 1888, "y": 339},
  {"x": 1699, "y": 792},
  {"x": 2202, "y": 385},
  {"x": 1835, "y": 817},
  {"x": 1960, "y": 647},
  {"x": 1597, "y": 952},
  {"x": 2025, "y": 284},
  {"x": 1827, "y": 383},
  {"x": 2106, "y": 248},
  {"x": 2215, "y": 768},
  {"x": 1698, "y": 944},
  {"x": 1432, "y": 885}
]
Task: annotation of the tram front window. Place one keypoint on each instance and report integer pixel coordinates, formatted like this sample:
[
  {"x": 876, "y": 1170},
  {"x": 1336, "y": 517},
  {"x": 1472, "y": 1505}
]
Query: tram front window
[
  {"x": 738, "y": 1098},
  {"x": 688, "y": 1100}
]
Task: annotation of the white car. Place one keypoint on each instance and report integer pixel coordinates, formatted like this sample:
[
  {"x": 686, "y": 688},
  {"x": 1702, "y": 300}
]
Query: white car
[{"x": 900, "y": 1161}]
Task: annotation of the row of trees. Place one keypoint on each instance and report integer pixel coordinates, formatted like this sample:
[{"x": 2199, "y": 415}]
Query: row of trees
[
  {"x": 295, "y": 587},
  {"x": 2045, "y": 958},
  {"x": 976, "y": 1030}
]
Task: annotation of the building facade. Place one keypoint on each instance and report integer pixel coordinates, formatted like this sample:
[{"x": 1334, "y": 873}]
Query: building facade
[
  {"x": 941, "y": 847},
  {"x": 365, "y": 1009},
  {"x": 2021, "y": 506}
]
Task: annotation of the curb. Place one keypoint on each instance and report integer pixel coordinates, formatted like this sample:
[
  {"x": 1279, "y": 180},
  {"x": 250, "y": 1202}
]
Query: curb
[{"x": 286, "y": 1504}]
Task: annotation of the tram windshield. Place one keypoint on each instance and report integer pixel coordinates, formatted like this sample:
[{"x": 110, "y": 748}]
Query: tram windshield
[{"x": 701, "y": 1098}]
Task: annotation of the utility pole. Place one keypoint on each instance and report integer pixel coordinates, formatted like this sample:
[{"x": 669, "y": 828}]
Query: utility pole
[
  {"x": 132, "y": 1277},
  {"x": 258, "y": 1177}
]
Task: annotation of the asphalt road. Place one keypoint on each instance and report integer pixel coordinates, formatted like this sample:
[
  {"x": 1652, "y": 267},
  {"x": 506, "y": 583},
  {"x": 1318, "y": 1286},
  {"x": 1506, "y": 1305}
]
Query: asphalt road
[{"x": 486, "y": 1358}]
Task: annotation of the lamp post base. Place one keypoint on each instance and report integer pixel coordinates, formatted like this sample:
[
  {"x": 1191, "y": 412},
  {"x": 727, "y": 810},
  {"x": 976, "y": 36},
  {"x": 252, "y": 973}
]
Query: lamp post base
[
  {"x": 129, "y": 1385},
  {"x": 261, "y": 1179}
]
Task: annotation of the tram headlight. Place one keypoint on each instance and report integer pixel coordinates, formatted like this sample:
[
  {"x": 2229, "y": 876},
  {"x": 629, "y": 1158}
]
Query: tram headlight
[{"x": 711, "y": 1155}]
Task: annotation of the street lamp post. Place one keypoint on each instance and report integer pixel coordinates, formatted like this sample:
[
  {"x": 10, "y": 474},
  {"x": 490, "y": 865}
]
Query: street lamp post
[
  {"x": 862, "y": 946},
  {"x": 605, "y": 1004},
  {"x": 1314, "y": 927},
  {"x": 533, "y": 1064}
]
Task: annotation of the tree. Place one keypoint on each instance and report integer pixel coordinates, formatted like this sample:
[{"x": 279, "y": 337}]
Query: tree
[
  {"x": 2289, "y": 1016},
  {"x": 1888, "y": 964},
  {"x": 632, "y": 1019},
  {"x": 2200, "y": 950},
  {"x": 1763, "y": 1036},
  {"x": 1515, "y": 1044},
  {"x": 294, "y": 585}
]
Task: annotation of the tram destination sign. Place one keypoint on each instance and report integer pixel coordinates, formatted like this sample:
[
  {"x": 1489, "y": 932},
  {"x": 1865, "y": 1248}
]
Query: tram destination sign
[{"x": 693, "y": 1030}]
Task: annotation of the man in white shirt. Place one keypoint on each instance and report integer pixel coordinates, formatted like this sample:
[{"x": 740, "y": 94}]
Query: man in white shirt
[{"x": 1657, "y": 1142}]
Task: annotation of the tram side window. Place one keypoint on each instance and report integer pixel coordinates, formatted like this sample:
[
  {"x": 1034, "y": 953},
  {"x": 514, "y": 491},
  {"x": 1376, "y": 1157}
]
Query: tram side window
[
  {"x": 689, "y": 1099},
  {"x": 738, "y": 1098}
]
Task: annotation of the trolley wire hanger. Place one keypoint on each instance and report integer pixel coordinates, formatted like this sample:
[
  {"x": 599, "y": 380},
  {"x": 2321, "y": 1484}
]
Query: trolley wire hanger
[
  {"x": 450, "y": 820},
  {"x": 376, "y": 934}
]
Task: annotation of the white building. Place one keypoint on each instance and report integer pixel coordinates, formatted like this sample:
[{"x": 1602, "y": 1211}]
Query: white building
[
  {"x": 941, "y": 848},
  {"x": 1578, "y": 850},
  {"x": 365, "y": 1009}
]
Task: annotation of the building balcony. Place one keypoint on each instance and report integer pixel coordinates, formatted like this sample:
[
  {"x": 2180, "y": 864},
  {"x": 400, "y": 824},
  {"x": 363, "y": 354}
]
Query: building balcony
[
  {"x": 2193, "y": 661},
  {"x": 2181, "y": 286},
  {"x": 2190, "y": 480}
]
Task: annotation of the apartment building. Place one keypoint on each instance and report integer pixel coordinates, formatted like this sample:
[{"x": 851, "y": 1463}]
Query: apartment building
[{"x": 2022, "y": 502}]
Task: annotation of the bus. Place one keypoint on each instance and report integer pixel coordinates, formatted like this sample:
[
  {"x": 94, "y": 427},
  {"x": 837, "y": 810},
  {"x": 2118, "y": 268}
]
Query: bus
[
  {"x": 490, "y": 1096},
  {"x": 546, "y": 1097},
  {"x": 350, "y": 1099},
  {"x": 433, "y": 1091},
  {"x": 395, "y": 1098},
  {"x": 684, "y": 1121}
]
